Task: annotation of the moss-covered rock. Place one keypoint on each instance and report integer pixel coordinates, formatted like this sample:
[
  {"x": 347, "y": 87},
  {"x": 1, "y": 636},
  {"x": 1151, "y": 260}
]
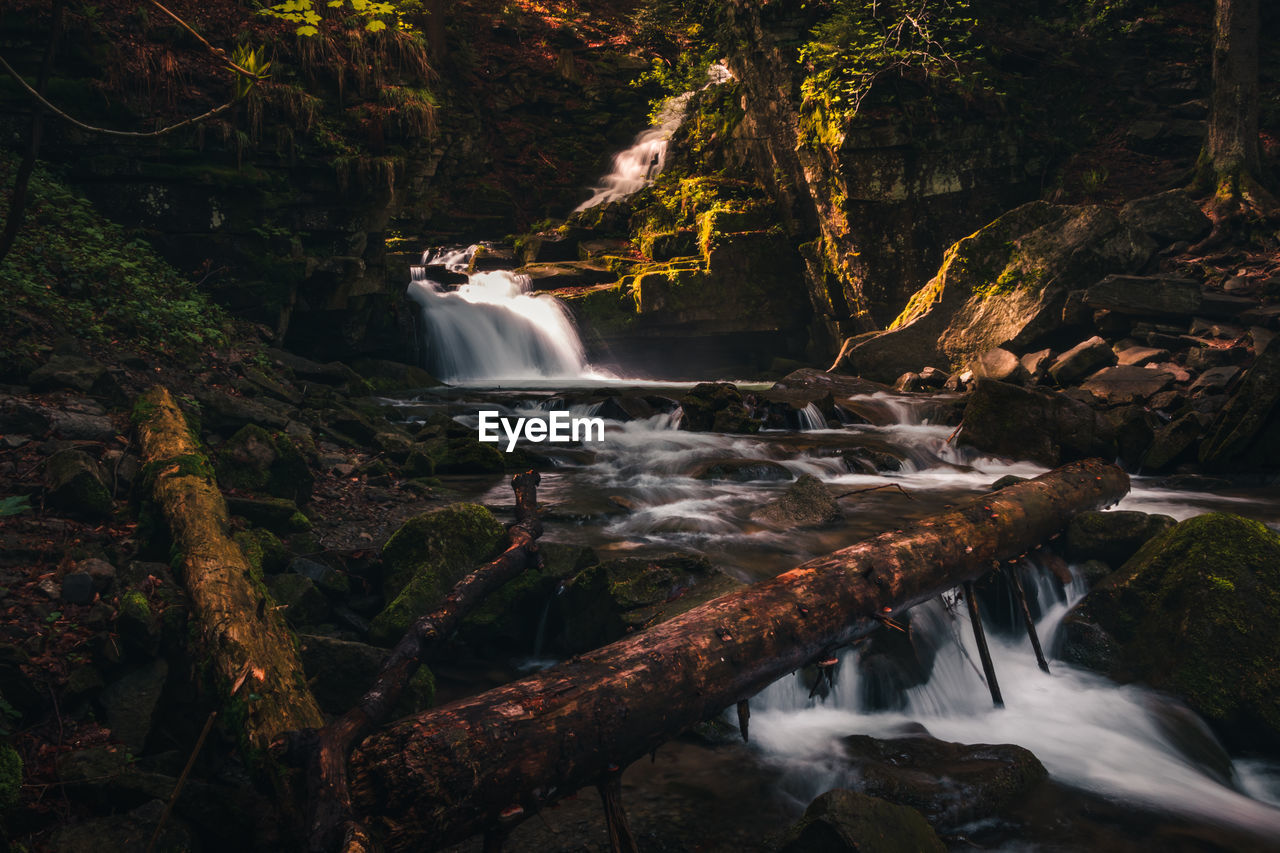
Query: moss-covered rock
[
  {"x": 263, "y": 549},
  {"x": 1112, "y": 537},
  {"x": 73, "y": 482},
  {"x": 256, "y": 460},
  {"x": 303, "y": 601},
  {"x": 844, "y": 821},
  {"x": 716, "y": 407},
  {"x": 806, "y": 503},
  {"x": 276, "y": 514},
  {"x": 462, "y": 455},
  {"x": 1197, "y": 612},
  {"x": 426, "y": 557}
]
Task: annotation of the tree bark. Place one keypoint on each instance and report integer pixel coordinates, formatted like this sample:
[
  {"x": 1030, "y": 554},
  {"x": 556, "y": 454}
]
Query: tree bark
[
  {"x": 1233, "y": 109},
  {"x": 487, "y": 761},
  {"x": 248, "y": 646}
]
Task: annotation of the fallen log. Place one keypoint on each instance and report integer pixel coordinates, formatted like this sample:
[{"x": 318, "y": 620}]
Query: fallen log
[
  {"x": 487, "y": 762},
  {"x": 324, "y": 753},
  {"x": 242, "y": 635}
]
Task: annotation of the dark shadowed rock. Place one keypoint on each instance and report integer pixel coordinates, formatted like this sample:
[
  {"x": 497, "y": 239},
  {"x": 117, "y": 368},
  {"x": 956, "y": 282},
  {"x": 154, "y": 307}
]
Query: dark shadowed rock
[
  {"x": 1036, "y": 364},
  {"x": 1167, "y": 217},
  {"x": 67, "y": 371},
  {"x": 74, "y": 482},
  {"x": 843, "y": 821},
  {"x": 741, "y": 470},
  {"x": 1139, "y": 356},
  {"x": 1146, "y": 296},
  {"x": 1120, "y": 386},
  {"x": 1035, "y": 424},
  {"x": 716, "y": 407},
  {"x": 1246, "y": 433},
  {"x": 130, "y": 702},
  {"x": 1112, "y": 537},
  {"x": 950, "y": 783}
]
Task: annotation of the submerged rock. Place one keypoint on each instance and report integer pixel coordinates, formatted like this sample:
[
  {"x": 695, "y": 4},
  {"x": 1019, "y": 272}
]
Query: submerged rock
[
  {"x": 741, "y": 470},
  {"x": 716, "y": 407},
  {"x": 843, "y": 821},
  {"x": 1196, "y": 612},
  {"x": 805, "y": 504}
]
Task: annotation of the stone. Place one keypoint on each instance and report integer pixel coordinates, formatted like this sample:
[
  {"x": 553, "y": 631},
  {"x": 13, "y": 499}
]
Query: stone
[
  {"x": 844, "y": 821},
  {"x": 932, "y": 377},
  {"x": 1244, "y": 432},
  {"x": 339, "y": 671},
  {"x": 741, "y": 470},
  {"x": 908, "y": 383},
  {"x": 1036, "y": 364},
  {"x": 1044, "y": 426},
  {"x": 1177, "y": 371},
  {"x": 625, "y": 408},
  {"x": 77, "y": 588},
  {"x": 78, "y": 426},
  {"x": 130, "y": 703},
  {"x": 1204, "y": 358},
  {"x": 1167, "y": 217},
  {"x": 1214, "y": 329},
  {"x": 1112, "y": 537},
  {"x": 1172, "y": 442},
  {"x": 1119, "y": 386},
  {"x": 303, "y": 601},
  {"x": 74, "y": 482},
  {"x": 716, "y": 407},
  {"x": 391, "y": 377},
  {"x": 259, "y": 461},
  {"x": 1000, "y": 365},
  {"x": 464, "y": 455},
  {"x": 20, "y": 417},
  {"x": 128, "y": 831},
  {"x": 333, "y": 373},
  {"x": 424, "y": 559},
  {"x": 276, "y": 514},
  {"x": 1215, "y": 380},
  {"x": 102, "y": 572},
  {"x": 870, "y": 460},
  {"x": 324, "y": 577},
  {"x": 1196, "y": 612},
  {"x": 1081, "y": 360},
  {"x": 67, "y": 371},
  {"x": 951, "y": 784},
  {"x": 806, "y": 503},
  {"x": 225, "y": 414},
  {"x": 1146, "y": 296},
  {"x": 1139, "y": 356},
  {"x": 1004, "y": 286}
]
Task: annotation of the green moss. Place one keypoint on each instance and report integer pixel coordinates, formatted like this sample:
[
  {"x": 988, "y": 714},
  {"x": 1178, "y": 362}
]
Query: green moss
[
  {"x": 263, "y": 549},
  {"x": 1197, "y": 611},
  {"x": 135, "y": 607},
  {"x": 10, "y": 776}
]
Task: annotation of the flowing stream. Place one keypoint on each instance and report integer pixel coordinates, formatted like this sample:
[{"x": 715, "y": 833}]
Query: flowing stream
[{"x": 637, "y": 493}]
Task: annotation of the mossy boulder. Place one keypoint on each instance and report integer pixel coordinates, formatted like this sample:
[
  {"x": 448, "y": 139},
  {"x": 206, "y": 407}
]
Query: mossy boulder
[
  {"x": 278, "y": 515},
  {"x": 73, "y": 482},
  {"x": 426, "y": 557},
  {"x": 263, "y": 549},
  {"x": 386, "y": 377},
  {"x": 844, "y": 821},
  {"x": 507, "y": 621},
  {"x": 462, "y": 455},
  {"x": 1112, "y": 537},
  {"x": 806, "y": 503},
  {"x": 303, "y": 601},
  {"x": 605, "y": 601},
  {"x": 1196, "y": 612},
  {"x": 255, "y": 460}
]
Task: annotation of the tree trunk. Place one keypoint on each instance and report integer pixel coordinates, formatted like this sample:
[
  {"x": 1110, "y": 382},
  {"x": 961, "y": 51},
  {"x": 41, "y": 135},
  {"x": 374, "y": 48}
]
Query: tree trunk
[
  {"x": 491, "y": 760},
  {"x": 244, "y": 637},
  {"x": 1232, "y": 145}
]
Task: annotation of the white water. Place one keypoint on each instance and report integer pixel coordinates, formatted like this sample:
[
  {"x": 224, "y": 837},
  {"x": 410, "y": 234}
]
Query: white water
[
  {"x": 1086, "y": 730},
  {"x": 635, "y": 167},
  {"x": 493, "y": 328}
]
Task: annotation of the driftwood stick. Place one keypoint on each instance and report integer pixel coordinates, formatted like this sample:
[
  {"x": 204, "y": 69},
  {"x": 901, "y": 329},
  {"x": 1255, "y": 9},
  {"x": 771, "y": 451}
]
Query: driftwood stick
[
  {"x": 325, "y": 752},
  {"x": 744, "y": 717},
  {"x": 620, "y": 838},
  {"x": 980, "y": 637},
  {"x": 873, "y": 489},
  {"x": 1012, "y": 572},
  {"x": 431, "y": 780}
]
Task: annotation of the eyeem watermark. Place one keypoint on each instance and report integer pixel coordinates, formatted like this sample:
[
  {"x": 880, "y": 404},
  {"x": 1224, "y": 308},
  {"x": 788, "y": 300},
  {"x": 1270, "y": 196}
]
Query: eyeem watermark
[{"x": 557, "y": 427}]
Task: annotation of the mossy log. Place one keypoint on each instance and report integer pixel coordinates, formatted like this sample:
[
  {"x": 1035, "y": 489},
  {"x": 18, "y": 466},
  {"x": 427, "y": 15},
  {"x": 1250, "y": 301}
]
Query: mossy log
[
  {"x": 486, "y": 762},
  {"x": 244, "y": 637}
]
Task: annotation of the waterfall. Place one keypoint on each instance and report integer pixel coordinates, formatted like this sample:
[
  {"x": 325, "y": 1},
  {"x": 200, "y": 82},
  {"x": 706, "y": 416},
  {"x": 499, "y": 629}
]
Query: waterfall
[
  {"x": 493, "y": 328},
  {"x": 635, "y": 167}
]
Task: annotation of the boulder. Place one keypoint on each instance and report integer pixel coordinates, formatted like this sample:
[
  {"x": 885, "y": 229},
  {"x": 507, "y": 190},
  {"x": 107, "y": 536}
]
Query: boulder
[
  {"x": 340, "y": 671},
  {"x": 1036, "y": 424},
  {"x": 1138, "y": 356},
  {"x": 741, "y": 470},
  {"x": 843, "y": 821},
  {"x": 1246, "y": 432},
  {"x": 81, "y": 426},
  {"x": 1004, "y": 286},
  {"x": 1126, "y": 385},
  {"x": 1081, "y": 360},
  {"x": 716, "y": 407},
  {"x": 1036, "y": 364},
  {"x": 1215, "y": 380},
  {"x": 388, "y": 377},
  {"x": 68, "y": 372},
  {"x": 1112, "y": 537},
  {"x": 951, "y": 784},
  {"x": 276, "y": 514},
  {"x": 74, "y": 482},
  {"x": 255, "y": 460},
  {"x": 302, "y": 600},
  {"x": 806, "y": 503},
  {"x": 1167, "y": 217},
  {"x": 1195, "y": 612},
  {"x": 426, "y": 557},
  {"x": 224, "y": 413},
  {"x": 1000, "y": 365},
  {"x": 1146, "y": 296},
  {"x": 462, "y": 455},
  {"x": 604, "y": 601}
]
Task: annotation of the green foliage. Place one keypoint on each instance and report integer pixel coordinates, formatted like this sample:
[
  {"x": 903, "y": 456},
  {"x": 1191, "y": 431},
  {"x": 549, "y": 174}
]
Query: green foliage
[
  {"x": 74, "y": 267},
  {"x": 252, "y": 60},
  {"x": 935, "y": 44},
  {"x": 374, "y": 16},
  {"x": 14, "y": 505}
]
